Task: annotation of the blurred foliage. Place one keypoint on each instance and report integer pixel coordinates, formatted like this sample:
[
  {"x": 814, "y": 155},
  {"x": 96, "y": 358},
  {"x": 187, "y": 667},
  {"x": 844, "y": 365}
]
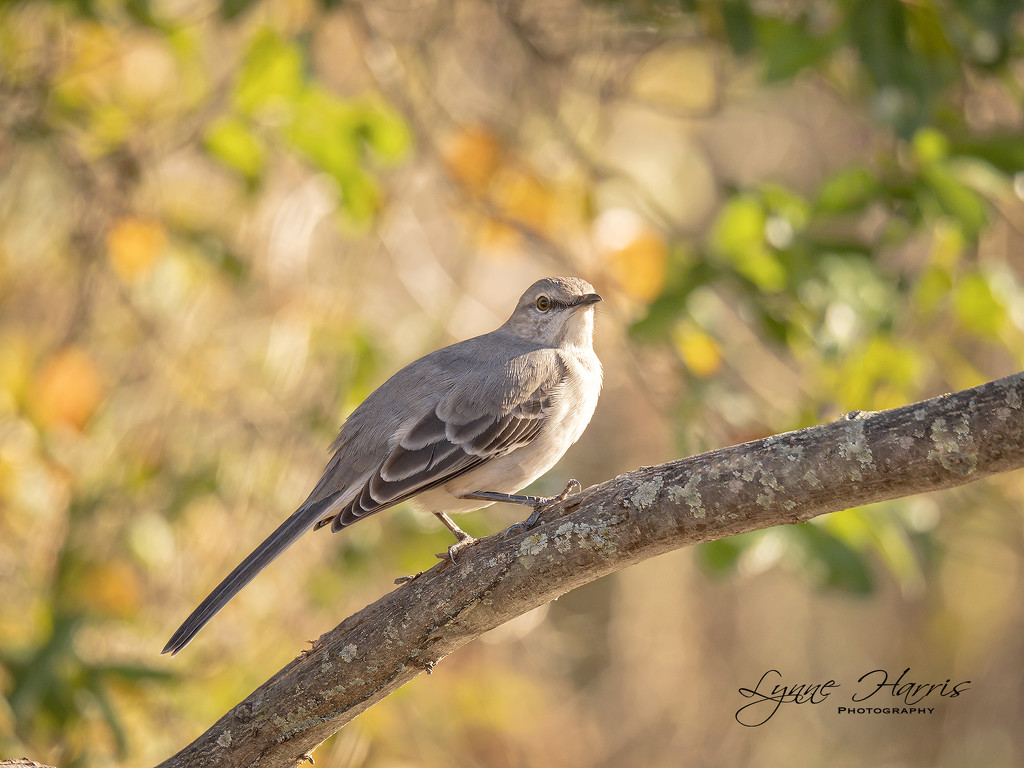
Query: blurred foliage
[
  {"x": 828, "y": 275},
  {"x": 909, "y": 55},
  {"x": 273, "y": 92},
  {"x": 96, "y": 94},
  {"x": 180, "y": 330}
]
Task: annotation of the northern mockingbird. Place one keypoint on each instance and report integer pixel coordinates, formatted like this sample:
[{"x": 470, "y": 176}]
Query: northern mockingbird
[{"x": 456, "y": 430}]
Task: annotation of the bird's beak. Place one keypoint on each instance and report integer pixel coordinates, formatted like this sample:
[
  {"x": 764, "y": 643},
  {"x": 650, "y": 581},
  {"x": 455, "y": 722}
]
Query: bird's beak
[{"x": 587, "y": 299}]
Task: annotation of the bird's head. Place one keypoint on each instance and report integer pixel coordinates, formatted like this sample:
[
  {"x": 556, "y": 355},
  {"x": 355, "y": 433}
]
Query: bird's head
[{"x": 556, "y": 311}]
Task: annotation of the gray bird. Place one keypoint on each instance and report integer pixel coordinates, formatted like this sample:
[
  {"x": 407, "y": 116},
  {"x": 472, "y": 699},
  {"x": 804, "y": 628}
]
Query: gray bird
[{"x": 456, "y": 430}]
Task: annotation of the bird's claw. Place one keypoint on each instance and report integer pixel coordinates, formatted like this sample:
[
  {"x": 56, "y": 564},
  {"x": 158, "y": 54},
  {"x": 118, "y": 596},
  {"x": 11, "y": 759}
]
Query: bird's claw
[
  {"x": 406, "y": 579},
  {"x": 521, "y": 527},
  {"x": 571, "y": 489},
  {"x": 455, "y": 548}
]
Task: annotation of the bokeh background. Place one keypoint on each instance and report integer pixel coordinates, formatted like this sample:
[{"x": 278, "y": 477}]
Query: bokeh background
[{"x": 222, "y": 224}]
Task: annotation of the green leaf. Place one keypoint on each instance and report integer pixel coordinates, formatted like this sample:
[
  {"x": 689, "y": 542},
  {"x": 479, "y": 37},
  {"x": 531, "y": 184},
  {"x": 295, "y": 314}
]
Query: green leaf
[
  {"x": 740, "y": 226},
  {"x": 926, "y": 28},
  {"x": 360, "y": 195},
  {"x": 230, "y": 141},
  {"x": 386, "y": 132},
  {"x": 931, "y": 290},
  {"x": 719, "y": 557},
  {"x": 956, "y": 199},
  {"x": 848, "y": 191},
  {"x": 906, "y": 78},
  {"x": 686, "y": 272},
  {"x": 835, "y": 563},
  {"x": 788, "y": 47},
  {"x": 141, "y": 12},
  {"x": 230, "y": 9},
  {"x": 85, "y": 8},
  {"x": 881, "y": 529},
  {"x": 334, "y": 135},
  {"x": 977, "y": 307},
  {"x": 930, "y": 146},
  {"x": 1005, "y": 152},
  {"x": 878, "y": 30},
  {"x": 272, "y": 75},
  {"x": 738, "y": 237},
  {"x": 882, "y": 373},
  {"x": 738, "y": 21},
  {"x": 786, "y": 203}
]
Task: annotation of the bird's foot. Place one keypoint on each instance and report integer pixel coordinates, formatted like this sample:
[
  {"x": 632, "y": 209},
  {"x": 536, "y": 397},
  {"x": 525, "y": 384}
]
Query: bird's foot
[
  {"x": 541, "y": 505},
  {"x": 464, "y": 541},
  {"x": 313, "y": 645},
  {"x": 406, "y": 579},
  {"x": 463, "y": 538}
]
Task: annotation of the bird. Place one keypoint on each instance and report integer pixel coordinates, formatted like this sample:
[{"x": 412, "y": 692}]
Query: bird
[{"x": 455, "y": 431}]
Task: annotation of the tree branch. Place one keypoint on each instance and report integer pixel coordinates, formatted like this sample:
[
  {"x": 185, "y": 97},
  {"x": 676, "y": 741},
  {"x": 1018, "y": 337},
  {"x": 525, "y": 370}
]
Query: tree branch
[{"x": 862, "y": 458}]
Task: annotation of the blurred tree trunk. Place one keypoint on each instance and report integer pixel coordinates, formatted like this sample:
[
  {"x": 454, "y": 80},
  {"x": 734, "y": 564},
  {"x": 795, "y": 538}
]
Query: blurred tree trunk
[{"x": 788, "y": 478}]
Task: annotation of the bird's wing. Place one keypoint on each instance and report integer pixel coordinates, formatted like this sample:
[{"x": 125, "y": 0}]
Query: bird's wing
[{"x": 477, "y": 422}]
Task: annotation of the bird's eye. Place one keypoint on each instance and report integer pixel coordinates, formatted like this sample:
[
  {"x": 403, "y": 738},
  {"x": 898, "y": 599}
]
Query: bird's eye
[{"x": 543, "y": 303}]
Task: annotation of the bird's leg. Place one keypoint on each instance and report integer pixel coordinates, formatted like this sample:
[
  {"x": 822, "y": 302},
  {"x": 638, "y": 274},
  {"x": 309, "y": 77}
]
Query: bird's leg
[
  {"x": 539, "y": 503},
  {"x": 464, "y": 539}
]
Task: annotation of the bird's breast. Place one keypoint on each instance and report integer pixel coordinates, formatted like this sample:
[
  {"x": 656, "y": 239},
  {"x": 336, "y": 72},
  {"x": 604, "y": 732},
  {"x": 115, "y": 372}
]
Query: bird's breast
[{"x": 572, "y": 407}]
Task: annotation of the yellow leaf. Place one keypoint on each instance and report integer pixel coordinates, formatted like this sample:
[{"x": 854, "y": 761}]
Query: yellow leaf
[
  {"x": 90, "y": 72},
  {"x": 948, "y": 244},
  {"x": 67, "y": 389},
  {"x": 929, "y": 146},
  {"x": 15, "y": 368},
  {"x": 699, "y": 351},
  {"x": 133, "y": 245}
]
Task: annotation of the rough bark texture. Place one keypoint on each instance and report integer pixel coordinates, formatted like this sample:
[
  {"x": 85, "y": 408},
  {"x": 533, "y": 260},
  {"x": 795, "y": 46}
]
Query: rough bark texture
[{"x": 787, "y": 478}]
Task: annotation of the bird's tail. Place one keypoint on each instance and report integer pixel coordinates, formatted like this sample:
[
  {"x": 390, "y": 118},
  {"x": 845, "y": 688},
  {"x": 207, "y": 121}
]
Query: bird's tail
[{"x": 291, "y": 529}]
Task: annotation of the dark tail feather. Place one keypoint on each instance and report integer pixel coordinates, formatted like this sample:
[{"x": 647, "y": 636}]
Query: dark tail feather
[{"x": 291, "y": 529}]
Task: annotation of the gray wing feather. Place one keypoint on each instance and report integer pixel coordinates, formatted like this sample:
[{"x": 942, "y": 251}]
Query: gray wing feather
[{"x": 464, "y": 430}]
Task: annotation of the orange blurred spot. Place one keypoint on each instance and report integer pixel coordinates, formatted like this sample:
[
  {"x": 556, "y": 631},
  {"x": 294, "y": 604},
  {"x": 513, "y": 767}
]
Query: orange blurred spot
[
  {"x": 495, "y": 234},
  {"x": 525, "y": 199},
  {"x": 133, "y": 245},
  {"x": 640, "y": 265},
  {"x": 67, "y": 389},
  {"x": 472, "y": 156},
  {"x": 110, "y": 589}
]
